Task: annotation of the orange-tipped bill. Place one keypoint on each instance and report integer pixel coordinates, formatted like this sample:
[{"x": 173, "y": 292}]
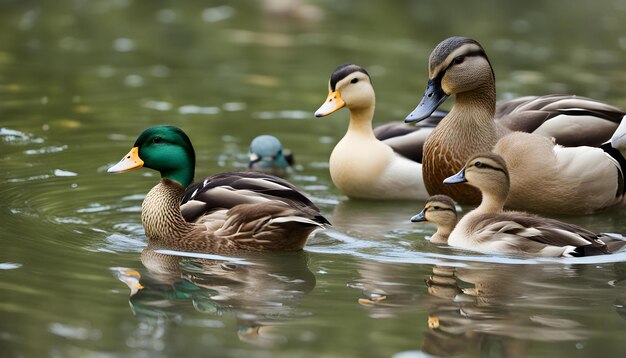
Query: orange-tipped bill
[
  {"x": 129, "y": 162},
  {"x": 333, "y": 103}
]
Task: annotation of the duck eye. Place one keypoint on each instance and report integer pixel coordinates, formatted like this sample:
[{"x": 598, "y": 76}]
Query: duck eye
[
  {"x": 458, "y": 60},
  {"x": 478, "y": 165},
  {"x": 157, "y": 140},
  {"x": 354, "y": 80},
  {"x": 436, "y": 207}
]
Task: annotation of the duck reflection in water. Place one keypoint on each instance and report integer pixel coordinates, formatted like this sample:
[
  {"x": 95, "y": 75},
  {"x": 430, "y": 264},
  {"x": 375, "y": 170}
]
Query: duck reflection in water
[
  {"x": 499, "y": 309},
  {"x": 259, "y": 290}
]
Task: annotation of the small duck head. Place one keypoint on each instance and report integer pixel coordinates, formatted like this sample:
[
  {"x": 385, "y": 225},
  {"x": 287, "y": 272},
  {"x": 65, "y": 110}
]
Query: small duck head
[
  {"x": 349, "y": 86},
  {"x": 439, "y": 210},
  {"x": 456, "y": 65},
  {"x": 166, "y": 149},
  {"x": 266, "y": 153},
  {"x": 487, "y": 172}
]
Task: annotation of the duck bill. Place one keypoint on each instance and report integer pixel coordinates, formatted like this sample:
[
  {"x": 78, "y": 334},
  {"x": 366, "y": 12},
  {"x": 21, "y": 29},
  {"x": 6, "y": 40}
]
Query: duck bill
[
  {"x": 254, "y": 158},
  {"x": 419, "y": 217},
  {"x": 433, "y": 97},
  {"x": 130, "y": 162},
  {"x": 456, "y": 178},
  {"x": 333, "y": 103}
]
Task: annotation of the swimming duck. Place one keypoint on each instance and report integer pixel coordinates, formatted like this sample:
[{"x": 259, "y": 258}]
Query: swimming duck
[
  {"x": 545, "y": 177},
  {"x": 267, "y": 155},
  {"x": 441, "y": 211},
  {"x": 224, "y": 213},
  {"x": 361, "y": 166},
  {"x": 490, "y": 228}
]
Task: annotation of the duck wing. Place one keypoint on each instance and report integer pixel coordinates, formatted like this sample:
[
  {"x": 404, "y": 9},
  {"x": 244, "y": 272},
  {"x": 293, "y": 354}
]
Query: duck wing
[
  {"x": 226, "y": 191},
  {"x": 570, "y": 120},
  {"x": 530, "y": 233},
  {"x": 408, "y": 140}
]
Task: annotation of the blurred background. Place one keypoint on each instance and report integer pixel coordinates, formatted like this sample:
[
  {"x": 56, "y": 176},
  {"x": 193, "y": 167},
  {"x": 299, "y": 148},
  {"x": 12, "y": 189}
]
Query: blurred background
[{"x": 80, "y": 79}]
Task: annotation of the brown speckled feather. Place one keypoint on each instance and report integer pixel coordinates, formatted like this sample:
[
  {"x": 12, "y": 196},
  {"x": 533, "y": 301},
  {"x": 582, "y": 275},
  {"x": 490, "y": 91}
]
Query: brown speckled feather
[
  {"x": 255, "y": 213},
  {"x": 541, "y": 230}
]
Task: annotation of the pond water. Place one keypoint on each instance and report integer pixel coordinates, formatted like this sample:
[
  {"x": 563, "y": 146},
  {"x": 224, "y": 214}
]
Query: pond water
[{"x": 80, "y": 79}]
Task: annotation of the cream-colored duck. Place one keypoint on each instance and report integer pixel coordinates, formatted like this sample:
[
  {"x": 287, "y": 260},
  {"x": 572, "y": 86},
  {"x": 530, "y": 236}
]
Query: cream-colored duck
[
  {"x": 227, "y": 213},
  {"x": 441, "y": 211},
  {"x": 361, "y": 166},
  {"x": 544, "y": 177},
  {"x": 490, "y": 228}
]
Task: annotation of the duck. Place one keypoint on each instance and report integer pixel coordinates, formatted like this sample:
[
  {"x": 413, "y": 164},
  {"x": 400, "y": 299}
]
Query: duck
[
  {"x": 490, "y": 228},
  {"x": 569, "y": 120},
  {"x": 546, "y": 177},
  {"x": 360, "y": 165},
  {"x": 226, "y": 213},
  {"x": 266, "y": 154},
  {"x": 441, "y": 211}
]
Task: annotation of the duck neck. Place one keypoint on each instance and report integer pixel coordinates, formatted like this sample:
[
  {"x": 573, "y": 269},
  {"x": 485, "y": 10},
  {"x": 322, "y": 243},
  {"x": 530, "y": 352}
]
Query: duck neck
[
  {"x": 160, "y": 212},
  {"x": 361, "y": 121},
  {"x": 441, "y": 236},
  {"x": 477, "y": 106},
  {"x": 492, "y": 203}
]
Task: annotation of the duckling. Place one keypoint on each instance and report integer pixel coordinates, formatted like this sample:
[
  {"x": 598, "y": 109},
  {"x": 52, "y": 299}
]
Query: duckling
[
  {"x": 441, "y": 211},
  {"x": 225, "y": 213},
  {"x": 361, "y": 166},
  {"x": 490, "y": 228},
  {"x": 545, "y": 177},
  {"x": 267, "y": 155}
]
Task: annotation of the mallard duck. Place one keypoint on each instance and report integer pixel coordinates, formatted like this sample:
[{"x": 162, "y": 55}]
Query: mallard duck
[
  {"x": 441, "y": 211},
  {"x": 490, "y": 228},
  {"x": 267, "y": 155},
  {"x": 224, "y": 213},
  {"x": 361, "y": 166},
  {"x": 545, "y": 177}
]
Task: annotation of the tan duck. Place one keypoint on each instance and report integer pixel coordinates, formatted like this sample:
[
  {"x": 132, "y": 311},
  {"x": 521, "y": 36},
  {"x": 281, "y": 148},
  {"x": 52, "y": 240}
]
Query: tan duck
[
  {"x": 224, "y": 213},
  {"x": 545, "y": 177},
  {"x": 490, "y": 228},
  {"x": 441, "y": 211},
  {"x": 361, "y": 166}
]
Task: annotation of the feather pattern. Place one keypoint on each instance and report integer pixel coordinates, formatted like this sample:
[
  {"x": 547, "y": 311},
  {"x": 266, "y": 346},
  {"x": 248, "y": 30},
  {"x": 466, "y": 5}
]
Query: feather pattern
[
  {"x": 225, "y": 213},
  {"x": 570, "y": 120},
  {"x": 545, "y": 177},
  {"x": 489, "y": 228}
]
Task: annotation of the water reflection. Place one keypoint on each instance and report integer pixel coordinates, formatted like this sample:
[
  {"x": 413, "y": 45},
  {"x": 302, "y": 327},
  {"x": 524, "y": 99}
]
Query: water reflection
[
  {"x": 260, "y": 291},
  {"x": 498, "y": 311}
]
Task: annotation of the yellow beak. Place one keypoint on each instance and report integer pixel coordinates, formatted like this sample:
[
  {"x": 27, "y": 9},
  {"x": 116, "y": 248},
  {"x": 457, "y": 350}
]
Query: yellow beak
[
  {"x": 129, "y": 162},
  {"x": 333, "y": 103}
]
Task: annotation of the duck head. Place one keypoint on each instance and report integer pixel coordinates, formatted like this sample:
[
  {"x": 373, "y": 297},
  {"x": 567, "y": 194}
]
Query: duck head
[
  {"x": 266, "y": 152},
  {"x": 439, "y": 210},
  {"x": 166, "y": 149},
  {"x": 456, "y": 65},
  {"x": 485, "y": 171},
  {"x": 349, "y": 86}
]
